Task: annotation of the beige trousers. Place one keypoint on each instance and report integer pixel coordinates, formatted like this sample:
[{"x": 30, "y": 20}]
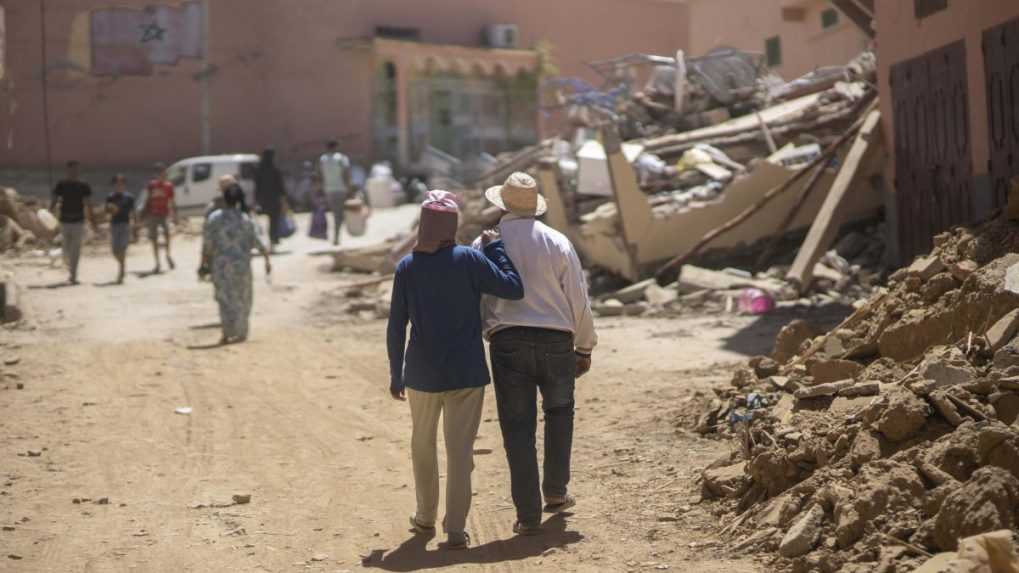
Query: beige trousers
[{"x": 461, "y": 416}]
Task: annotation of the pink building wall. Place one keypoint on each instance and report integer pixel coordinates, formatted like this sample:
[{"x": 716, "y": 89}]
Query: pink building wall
[
  {"x": 745, "y": 24},
  {"x": 902, "y": 36},
  {"x": 282, "y": 72}
]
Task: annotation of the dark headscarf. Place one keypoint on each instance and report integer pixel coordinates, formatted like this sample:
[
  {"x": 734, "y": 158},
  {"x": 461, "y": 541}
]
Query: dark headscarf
[
  {"x": 269, "y": 189},
  {"x": 233, "y": 197},
  {"x": 439, "y": 222}
]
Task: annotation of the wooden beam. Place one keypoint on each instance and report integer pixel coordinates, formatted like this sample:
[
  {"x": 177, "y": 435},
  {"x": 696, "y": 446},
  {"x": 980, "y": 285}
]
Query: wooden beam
[
  {"x": 863, "y": 20},
  {"x": 830, "y": 217}
]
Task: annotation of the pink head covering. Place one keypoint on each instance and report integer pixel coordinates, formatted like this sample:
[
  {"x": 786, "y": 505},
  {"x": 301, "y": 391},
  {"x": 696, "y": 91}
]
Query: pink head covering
[
  {"x": 439, "y": 200},
  {"x": 439, "y": 222}
]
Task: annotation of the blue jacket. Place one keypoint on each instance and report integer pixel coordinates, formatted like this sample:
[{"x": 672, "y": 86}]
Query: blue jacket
[{"x": 440, "y": 295}]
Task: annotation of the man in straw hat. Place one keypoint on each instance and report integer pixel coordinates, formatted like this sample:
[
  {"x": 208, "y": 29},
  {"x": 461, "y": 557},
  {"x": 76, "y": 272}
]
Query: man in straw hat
[
  {"x": 438, "y": 289},
  {"x": 541, "y": 343}
]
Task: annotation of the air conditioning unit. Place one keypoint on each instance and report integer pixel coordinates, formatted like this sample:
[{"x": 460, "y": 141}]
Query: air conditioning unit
[{"x": 502, "y": 36}]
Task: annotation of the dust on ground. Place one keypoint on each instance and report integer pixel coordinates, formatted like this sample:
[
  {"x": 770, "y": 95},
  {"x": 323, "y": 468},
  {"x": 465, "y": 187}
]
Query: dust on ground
[{"x": 100, "y": 473}]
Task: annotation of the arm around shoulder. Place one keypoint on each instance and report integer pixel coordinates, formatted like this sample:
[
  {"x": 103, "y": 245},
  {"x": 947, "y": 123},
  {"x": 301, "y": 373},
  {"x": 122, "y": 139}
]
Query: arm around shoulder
[{"x": 497, "y": 274}]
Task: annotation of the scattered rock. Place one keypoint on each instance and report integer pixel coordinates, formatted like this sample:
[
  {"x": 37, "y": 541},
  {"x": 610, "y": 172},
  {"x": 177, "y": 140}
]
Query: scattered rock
[
  {"x": 14, "y": 557},
  {"x": 904, "y": 415},
  {"x": 819, "y": 390},
  {"x": 803, "y": 536},
  {"x": 743, "y": 377},
  {"x": 764, "y": 366},
  {"x": 869, "y": 388},
  {"x": 1003, "y": 331},
  {"x": 34, "y": 453},
  {"x": 945, "y": 407},
  {"x": 948, "y": 367},
  {"x": 926, "y": 267},
  {"x": 1006, "y": 406},
  {"x": 728, "y": 481},
  {"x": 825, "y": 371},
  {"x": 789, "y": 339},
  {"x": 866, "y": 448},
  {"x": 242, "y": 498},
  {"x": 985, "y": 503},
  {"x": 783, "y": 383},
  {"x": 320, "y": 557}
]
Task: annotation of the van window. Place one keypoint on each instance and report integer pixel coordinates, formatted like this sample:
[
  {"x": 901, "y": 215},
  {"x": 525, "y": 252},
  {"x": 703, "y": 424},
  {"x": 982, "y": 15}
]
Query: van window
[
  {"x": 248, "y": 170},
  {"x": 201, "y": 172},
  {"x": 176, "y": 174}
]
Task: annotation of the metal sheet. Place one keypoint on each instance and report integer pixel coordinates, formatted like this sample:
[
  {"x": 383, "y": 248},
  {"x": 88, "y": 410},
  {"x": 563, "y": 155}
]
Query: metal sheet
[
  {"x": 1001, "y": 71},
  {"x": 933, "y": 165}
]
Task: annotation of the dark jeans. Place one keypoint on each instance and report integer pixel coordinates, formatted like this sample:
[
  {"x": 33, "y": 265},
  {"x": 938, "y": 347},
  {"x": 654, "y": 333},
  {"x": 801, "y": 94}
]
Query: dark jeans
[{"x": 524, "y": 362}]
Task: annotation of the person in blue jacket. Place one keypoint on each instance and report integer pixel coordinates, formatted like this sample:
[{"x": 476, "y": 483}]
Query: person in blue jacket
[{"x": 442, "y": 370}]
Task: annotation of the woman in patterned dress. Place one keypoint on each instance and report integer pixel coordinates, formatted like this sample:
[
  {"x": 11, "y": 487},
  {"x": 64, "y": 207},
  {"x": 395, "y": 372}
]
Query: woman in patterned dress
[{"x": 228, "y": 238}]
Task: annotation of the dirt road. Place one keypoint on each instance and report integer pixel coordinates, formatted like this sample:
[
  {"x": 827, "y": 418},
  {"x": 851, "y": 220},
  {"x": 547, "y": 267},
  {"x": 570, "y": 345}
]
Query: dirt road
[{"x": 299, "y": 419}]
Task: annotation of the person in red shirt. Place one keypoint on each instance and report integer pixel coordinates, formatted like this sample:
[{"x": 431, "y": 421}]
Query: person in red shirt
[{"x": 159, "y": 210}]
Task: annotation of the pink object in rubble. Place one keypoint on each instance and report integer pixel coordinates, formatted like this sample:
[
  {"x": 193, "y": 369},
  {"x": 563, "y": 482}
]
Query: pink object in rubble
[{"x": 756, "y": 301}]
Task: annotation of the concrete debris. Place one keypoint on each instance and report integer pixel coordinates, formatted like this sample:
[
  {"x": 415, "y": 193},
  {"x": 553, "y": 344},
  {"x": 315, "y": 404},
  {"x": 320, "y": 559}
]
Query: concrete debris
[
  {"x": 24, "y": 223},
  {"x": 803, "y": 536},
  {"x": 895, "y": 433}
]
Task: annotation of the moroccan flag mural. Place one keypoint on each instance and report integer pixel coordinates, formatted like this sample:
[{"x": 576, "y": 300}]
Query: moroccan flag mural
[{"x": 132, "y": 42}]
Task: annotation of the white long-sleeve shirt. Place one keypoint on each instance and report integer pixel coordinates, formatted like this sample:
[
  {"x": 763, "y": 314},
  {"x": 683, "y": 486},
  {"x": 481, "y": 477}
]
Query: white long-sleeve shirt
[{"x": 555, "y": 289}]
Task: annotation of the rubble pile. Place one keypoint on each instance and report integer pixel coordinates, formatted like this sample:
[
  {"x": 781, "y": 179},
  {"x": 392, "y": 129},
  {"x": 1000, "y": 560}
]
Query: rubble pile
[
  {"x": 689, "y": 169},
  {"x": 23, "y": 222},
  {"x": 893, "y": 436},
  {"x": 847, "y": 274},
  {"x": 476, "y": 215}
]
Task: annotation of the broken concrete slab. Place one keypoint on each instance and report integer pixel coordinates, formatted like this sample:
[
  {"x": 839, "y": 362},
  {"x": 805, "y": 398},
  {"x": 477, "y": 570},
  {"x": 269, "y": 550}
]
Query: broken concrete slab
[
  {"x": 868, "y": 388},
  {"x": 693, "y": 279},
  {"x": 825, "y": 371},
  {"x": 727, "y": 481},
  {"x": 803, "y": 536},
  {"x": 926, "y": 267},
  {"x": 945, "y": 407},
  {"x": 1012, "y": 279},
  {"x": 790, "y": 338},
  {"x": 820, "y": 390},
  {"x": 1003, "y": 331},
  {"x": 660, "y": 296},
  {"x": 903, "y": 416}
]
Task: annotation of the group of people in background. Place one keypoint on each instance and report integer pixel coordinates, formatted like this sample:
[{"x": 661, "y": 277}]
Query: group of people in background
[
  {"x": 229, "y": 235},
  {"x": 72, "y": 201}
]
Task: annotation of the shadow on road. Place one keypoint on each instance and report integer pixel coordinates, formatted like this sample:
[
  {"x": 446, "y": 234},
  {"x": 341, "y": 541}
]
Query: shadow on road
[
  {"x": 212, "y": 346},
  {"x": 207, "y": 326},
  {"x": 146, "y": 274},
  {"x": 53, "y": 286},
  {"x": 759, "y": 336},
  {"x": 107, "y": 284},
  {"x": 413, "y": 554}
]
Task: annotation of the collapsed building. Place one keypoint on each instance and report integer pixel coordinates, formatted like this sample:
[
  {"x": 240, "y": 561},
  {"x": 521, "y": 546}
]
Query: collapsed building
[{"x": 892, "y": 436}]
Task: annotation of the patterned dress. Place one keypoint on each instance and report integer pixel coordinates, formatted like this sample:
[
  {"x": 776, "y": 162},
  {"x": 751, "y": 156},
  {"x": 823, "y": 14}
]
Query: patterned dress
[{"x": 229, "y": 236}]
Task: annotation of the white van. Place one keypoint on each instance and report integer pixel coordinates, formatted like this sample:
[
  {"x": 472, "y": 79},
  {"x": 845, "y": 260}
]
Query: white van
[{"x": 196, "y": 179}]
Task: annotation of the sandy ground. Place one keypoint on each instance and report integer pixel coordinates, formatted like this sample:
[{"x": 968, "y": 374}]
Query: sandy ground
[{"x": 299, "y": 418}]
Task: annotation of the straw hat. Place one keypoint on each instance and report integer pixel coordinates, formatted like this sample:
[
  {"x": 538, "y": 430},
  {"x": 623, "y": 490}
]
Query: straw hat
[{"x": 518, "y": 195}]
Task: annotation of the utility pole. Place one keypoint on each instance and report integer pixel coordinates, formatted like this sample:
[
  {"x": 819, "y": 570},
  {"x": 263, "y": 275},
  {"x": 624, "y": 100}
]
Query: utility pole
[
  {"x": 45, "y": 94},
  {"x": 206, "y": 87}
]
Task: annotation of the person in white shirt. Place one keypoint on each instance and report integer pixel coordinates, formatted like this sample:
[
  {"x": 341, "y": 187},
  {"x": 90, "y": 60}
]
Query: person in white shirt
[
  {"x": 334, "y": 173},
  {"x": 540, "y": 343}
]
